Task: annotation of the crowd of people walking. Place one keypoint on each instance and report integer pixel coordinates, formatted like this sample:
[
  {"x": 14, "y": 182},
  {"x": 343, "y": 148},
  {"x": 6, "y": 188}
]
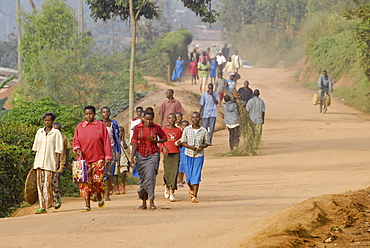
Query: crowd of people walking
[{"x": 177, "y": 142}]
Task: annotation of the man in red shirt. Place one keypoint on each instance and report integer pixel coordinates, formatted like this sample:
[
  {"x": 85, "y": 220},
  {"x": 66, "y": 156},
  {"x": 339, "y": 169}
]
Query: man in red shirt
[
  {"x": 145, "y": 151},
  {"x": 169, "y": 106},
  {"x": 91, "y": 143}
]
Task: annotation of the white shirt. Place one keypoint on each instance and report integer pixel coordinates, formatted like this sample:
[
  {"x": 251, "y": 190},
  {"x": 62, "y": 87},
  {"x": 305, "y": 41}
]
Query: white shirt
[
  {"x": 46, "y": 146},
  {"x": 220, "y": 59}
]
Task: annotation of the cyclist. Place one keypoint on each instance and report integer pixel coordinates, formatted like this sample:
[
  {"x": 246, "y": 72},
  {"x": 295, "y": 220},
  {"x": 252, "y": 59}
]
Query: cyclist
[{"x": 325, "y": 85}]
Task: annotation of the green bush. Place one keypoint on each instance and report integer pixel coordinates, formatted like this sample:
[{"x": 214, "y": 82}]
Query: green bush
[{"x": 16, "y": 159}]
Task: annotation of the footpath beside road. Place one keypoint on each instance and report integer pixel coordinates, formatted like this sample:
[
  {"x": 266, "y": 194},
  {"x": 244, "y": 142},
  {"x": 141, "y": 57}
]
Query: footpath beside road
[{"x": 303, "y": 154}]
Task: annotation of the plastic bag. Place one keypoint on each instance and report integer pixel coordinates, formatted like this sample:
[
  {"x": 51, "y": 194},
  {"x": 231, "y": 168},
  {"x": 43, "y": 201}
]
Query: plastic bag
[
  {"x": 79, "y": 171},
  {"x": 174, "y": 77}
]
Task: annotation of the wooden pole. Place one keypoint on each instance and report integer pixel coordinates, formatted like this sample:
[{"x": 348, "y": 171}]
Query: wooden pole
[
  {"x": 19, "y": 36},
  {"x": 132, "y": 62},
  {"x": 80, "y": 17}
]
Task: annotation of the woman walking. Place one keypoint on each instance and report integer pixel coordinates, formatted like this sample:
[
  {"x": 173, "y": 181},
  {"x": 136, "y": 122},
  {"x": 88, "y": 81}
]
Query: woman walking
[
  {"x": 212, "y": 70},
  {"x": 178, "y": 69},
  {"x": 91, "y": 143},
  {"x": 171, "y": 158},
  {"x": 48, "y": 146},
  {"x": 145, "y": 149},
  {"x": 193, "y": 70}
]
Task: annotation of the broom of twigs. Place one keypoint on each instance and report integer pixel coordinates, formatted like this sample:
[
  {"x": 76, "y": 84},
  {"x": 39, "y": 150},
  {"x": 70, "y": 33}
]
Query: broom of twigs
[{"x": 249, "y": 141}]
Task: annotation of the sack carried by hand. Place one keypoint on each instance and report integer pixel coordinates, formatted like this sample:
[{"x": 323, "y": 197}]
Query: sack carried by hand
[
  {"x": 315, "y": 99},
  {"x": 79, "y": 171}
]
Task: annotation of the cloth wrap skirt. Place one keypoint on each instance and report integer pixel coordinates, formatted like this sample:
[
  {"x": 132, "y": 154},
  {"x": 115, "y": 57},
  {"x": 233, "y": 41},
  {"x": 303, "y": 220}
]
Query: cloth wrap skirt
[
  {"x": 171, "y": 165},
  {"x": 148, "y": 169}
]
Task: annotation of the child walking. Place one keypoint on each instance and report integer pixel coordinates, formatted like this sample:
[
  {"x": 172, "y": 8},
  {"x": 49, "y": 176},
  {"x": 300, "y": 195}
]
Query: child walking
[
  {"x": 181, "y": 174},
  {"x": 122, "y": 165},
  {"x": 171, "y": 158},
  {"x": 195, "y": 138}
]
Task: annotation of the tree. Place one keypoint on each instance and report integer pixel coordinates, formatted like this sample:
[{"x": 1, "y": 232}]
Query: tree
[
  {"x": 8, "y": 52},
  {"x": 134, "y": 9},
  {"x": 361, "y": 13}
]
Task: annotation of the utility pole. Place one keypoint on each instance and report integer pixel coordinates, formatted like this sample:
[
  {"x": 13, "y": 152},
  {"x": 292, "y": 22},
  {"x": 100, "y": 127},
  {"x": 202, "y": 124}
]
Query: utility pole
[
  {"x": 111, "y": 30},
  {"x": 18, "y": 7},
  {"x": 80, "y": 17}
]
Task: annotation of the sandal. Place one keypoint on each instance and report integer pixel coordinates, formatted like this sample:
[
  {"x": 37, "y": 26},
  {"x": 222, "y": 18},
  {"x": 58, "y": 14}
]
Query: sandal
[
  {"x": 194, "y": 200},
  {"x": 59, "y": 203},
  {"x": 142, "y": 207},
  {"x": 191, "y": 193},
  {"x": 86, "y": 209},
  {"x": 40, "y": 211},
  {"x": 101, "y": 203},
  {"x": 153, "y": 207}
]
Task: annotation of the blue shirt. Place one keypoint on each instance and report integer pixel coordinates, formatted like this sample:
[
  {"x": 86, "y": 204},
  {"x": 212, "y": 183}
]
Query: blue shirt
[{"x": 209, "y": 107}]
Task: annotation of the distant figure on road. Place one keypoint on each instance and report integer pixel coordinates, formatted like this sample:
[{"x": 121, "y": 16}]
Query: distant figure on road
[
  {"x": 178, "y": 69},
  {"x": 231, "y": 120},
  {"x": 212, "y": 70},
  {"x": 325, "y": 84},
  {"x": 220, "y": 62},
  {"x": 169, "y": 106},
  {"x": 256, "y": 109},
  {"x": 245, "y": 93},
  {"x": 194, "y": 55},
  {"x": 213, "y": 52},
  {"x": 208, "y": 103},
  {"x": 229, "y": 67},
  {"x": 220, "y": 87},
  {"x": 225, "y": 51},
  {"x": 237, "y": 61},
  {"x": 193, "y": 70},
  {"x": 203, "y": 68}
]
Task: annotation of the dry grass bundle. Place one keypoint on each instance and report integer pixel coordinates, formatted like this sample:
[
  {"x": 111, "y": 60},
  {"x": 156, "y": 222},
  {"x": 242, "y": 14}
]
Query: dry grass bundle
[{"x": 249, "y": 138}]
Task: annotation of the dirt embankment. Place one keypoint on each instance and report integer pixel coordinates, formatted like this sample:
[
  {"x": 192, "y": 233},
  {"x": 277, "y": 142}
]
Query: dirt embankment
[{"x": 338, "y": 220}]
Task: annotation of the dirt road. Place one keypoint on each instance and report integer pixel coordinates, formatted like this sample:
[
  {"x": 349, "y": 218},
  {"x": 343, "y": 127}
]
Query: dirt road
[{"x": 303, "y": 154}]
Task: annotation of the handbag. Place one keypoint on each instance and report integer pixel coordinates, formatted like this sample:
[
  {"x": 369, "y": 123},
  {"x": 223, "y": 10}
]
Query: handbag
[
  {"x": 79, "y": 171},
  {"x": 174, "y": 77}
]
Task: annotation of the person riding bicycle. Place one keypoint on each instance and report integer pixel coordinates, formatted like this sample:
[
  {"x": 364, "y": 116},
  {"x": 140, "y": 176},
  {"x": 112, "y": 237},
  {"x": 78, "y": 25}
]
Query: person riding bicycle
[{"x": 325, "y": 84}]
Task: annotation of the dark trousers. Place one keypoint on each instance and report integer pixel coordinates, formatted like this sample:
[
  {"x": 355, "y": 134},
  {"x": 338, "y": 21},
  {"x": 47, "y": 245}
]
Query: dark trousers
[
  {"x": 233, "y": 137},
  {"x": 209, "y": 124}
]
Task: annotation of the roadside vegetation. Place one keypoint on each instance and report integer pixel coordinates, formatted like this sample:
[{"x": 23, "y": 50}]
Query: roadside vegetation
[{"x": 62, "y": 73}]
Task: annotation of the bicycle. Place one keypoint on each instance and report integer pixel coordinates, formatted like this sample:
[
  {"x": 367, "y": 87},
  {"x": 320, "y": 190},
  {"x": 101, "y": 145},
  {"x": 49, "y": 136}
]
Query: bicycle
[{"x": 323, "y": 104}]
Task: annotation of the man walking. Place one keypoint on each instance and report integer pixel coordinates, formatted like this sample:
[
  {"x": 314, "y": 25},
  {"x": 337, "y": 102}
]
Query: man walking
[
  {"x": 208, "y": 103},
  {"x": 231, "y": 120},
  {"x": 169, "y": 106},
  {"x": 245, "y": 93},
  {"x": 220, "y": 62},
  {"x": 256, "y": 109}
]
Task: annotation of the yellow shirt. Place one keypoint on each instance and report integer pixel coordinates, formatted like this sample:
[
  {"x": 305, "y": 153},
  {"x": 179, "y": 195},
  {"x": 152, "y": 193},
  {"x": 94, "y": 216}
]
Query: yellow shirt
[{"x": 46, "y": 147}]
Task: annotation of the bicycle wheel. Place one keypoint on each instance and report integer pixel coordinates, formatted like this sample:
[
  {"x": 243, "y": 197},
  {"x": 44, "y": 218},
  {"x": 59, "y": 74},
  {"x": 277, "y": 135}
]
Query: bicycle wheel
[{"x": 324, "y": 105}]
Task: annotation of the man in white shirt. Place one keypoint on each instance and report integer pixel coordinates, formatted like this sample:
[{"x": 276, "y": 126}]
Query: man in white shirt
[{"x": 220, "y": 62}]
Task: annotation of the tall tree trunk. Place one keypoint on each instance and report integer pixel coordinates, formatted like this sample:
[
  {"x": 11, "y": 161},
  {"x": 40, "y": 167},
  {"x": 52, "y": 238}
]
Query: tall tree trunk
[
  {"x": 132, "y": 61},
  {"x": 18, "y": 6}
]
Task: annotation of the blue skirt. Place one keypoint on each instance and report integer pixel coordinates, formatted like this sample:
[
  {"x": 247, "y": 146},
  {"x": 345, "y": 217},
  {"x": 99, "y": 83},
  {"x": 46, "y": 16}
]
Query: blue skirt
[
  {"x": 193, "y": 169},
  {"x": 182, "y": 160}
]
